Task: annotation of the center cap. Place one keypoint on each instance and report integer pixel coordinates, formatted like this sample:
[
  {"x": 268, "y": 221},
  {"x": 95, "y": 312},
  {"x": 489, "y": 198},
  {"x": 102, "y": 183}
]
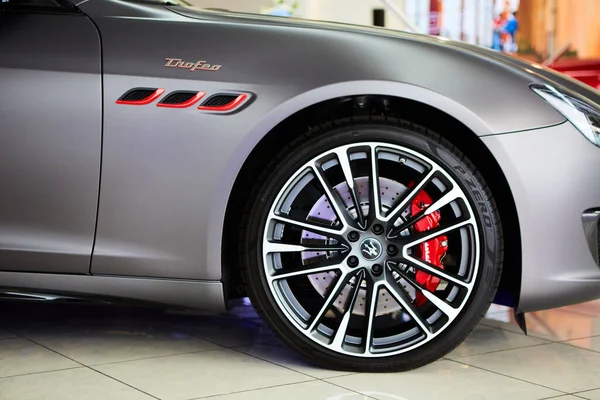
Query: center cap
[{"x": 371, "y": 249}]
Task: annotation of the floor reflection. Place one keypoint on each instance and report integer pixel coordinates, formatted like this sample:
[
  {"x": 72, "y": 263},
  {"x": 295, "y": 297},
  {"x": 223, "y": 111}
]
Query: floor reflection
[
  {"x": 567, "y": 323},
  {"x": 145, "y": 353}
]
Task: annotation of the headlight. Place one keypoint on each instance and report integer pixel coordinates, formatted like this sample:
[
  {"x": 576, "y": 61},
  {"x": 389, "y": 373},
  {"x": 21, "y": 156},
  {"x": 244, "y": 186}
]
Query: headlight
[{"x": 584, "y": 116}]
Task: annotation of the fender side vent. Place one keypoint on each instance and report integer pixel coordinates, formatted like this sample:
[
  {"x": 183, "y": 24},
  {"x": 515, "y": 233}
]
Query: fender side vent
[
  {"x": 140, "y": 96},
  {"x": 223, "y": 102},
  {"x": 219, "y": 101},
  {"x": 181, "y": 99}
]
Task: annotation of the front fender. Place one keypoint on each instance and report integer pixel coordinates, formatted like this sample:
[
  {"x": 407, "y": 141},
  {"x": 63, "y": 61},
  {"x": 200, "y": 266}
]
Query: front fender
[{"x": 240, "y": 154}]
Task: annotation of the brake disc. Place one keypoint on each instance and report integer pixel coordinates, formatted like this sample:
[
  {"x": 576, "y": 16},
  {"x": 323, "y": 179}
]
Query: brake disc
[{"x": 323, "y": 213}]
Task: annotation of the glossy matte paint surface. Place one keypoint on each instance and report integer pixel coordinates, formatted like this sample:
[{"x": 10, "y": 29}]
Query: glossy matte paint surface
[
  {"x": 552, "y": 186},
  {"x": 154, "y": 157},
  {"x": 167, "y": 174},
  {"x": 178, "y": 293},
  {"x": 51, "y": 130}
]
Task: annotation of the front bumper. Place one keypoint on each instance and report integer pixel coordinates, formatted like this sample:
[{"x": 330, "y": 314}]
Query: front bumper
[{"x": 554, "y": 176}]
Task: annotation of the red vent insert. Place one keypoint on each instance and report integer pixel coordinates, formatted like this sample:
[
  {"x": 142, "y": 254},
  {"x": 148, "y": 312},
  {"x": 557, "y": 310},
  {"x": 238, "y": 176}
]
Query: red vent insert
[
  {"x": 223, "y": 102},
  {"x": 140, "y": 96},
  {"x": 181, "y": 99}
]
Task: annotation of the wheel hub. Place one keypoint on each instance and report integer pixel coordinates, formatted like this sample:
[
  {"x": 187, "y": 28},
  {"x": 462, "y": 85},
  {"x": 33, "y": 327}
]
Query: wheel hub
[
  {"x": 322, "y": 211},
  {"x": 371, "y": 249}
]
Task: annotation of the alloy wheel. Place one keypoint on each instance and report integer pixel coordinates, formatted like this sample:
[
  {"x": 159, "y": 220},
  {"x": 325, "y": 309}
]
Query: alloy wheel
[{"x": 371, "y": 249}]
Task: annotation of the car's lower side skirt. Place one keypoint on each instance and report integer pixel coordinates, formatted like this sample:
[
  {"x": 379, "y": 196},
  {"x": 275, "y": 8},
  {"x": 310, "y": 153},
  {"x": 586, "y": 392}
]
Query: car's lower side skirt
[{"x": 178, "y": 293}]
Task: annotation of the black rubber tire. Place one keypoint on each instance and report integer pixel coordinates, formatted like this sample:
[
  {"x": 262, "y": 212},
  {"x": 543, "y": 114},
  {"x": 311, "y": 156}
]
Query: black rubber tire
[{"x": 391, "y": 130}]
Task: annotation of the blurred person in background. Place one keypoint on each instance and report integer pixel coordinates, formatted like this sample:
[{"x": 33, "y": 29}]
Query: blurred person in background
[
  {"x": 510, "y": 28},
  {"x": 498, "y": 25}
]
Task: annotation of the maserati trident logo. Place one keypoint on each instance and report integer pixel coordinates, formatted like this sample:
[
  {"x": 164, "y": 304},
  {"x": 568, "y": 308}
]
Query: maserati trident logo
[
  {"x": 370, "y": 249},
  {"x": 192, "y": 66}
]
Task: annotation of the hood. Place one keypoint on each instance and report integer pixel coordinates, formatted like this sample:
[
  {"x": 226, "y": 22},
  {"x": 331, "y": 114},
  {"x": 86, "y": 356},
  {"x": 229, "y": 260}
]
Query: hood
[
  {"x": 551, "y": 76},
  {"x": 544, "y": 74}
]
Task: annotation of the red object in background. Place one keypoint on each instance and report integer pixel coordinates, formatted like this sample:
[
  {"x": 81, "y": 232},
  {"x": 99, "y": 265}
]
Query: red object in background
[
  {"x": 435, "y": 17},
  {"x": 586, "y": 71},
  {"x": 432, "y": 251}
]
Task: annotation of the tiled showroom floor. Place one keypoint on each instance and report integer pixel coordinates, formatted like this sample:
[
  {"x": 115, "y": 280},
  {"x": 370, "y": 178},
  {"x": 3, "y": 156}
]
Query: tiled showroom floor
[{"x": 75, "y": 352}]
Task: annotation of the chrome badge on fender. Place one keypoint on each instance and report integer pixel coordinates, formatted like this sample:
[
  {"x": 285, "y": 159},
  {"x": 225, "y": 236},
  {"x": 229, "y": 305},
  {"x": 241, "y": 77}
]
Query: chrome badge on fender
[{"x": 192, "y": 66}]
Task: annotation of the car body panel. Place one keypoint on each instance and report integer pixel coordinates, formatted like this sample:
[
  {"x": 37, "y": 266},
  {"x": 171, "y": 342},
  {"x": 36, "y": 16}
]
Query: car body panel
[
  {"x": 51, "y": 141},
  {"x": 552, "y": 188},
  {"x": 159, "y": 162},
  {"x": 325, "y": 57},
  {"x": 175, "y": 293}
]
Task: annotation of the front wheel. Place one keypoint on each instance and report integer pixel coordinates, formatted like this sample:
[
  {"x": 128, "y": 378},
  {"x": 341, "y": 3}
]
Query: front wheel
[{"x": 372, "y": 246}]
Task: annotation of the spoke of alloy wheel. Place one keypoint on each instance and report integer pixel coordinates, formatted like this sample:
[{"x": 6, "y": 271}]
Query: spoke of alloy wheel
[
  {"x": 426, "y": 236},
  {"x": 452, "y": 195},
  {"x": 320, "y": 230},
  {"x": 333, "y": 295},
  {"x": 441, "y": 305},
  {"x": 437, "y": 272},
  {"x": 447, "y": 198},
  {"x": 374, "y": 199},
  {"x": 340, "y": 334},
  {"x": 406, "y": 303},
  {"x": 277, "y": 276},
  {"x": 276, "y": 247},
  {"x": 334, "y": 199},
  {"x": 413, "y": 192},
  {"x": 371, "y": 313},
  {"x": 344, "y": 160}
]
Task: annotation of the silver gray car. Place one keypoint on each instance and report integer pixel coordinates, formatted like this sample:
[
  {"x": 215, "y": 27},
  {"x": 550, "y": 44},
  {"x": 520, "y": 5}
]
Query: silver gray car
[{"x": 371, "y": 191}]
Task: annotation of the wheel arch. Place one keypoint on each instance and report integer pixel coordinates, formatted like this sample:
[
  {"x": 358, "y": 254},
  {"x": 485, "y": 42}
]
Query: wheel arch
[{"x": 449, "y": 119}]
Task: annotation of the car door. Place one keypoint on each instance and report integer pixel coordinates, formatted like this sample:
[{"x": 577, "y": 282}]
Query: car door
[{"x": 50, "y": 136}]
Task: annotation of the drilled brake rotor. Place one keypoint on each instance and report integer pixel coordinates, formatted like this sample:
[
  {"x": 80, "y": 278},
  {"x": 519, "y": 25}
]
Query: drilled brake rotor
[{"x": 322, "y": 212}]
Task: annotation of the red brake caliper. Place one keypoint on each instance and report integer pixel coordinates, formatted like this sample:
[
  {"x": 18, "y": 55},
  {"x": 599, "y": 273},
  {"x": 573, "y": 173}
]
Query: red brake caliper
[{"x": 432, "y": 251}]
